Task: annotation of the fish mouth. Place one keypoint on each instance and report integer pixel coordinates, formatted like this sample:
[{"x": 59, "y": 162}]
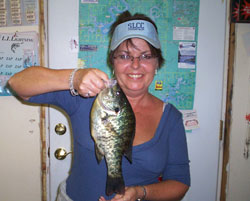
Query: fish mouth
[{"x": 110, "y": 83}]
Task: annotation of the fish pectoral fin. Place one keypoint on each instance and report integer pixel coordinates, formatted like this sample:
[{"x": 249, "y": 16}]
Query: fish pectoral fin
[
  {"x": 128, "y": 154},
  {"x": 107, "y": 119},
  {"x": 99, "y": 155}
]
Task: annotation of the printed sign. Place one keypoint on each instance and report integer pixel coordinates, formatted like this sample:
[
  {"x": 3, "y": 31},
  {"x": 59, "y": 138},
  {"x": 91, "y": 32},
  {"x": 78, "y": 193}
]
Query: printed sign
[{"x": 17, "y": 52}]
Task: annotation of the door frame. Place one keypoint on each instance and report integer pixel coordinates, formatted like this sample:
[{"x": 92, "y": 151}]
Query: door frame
[
  {"x": 42, "y": 6},
  {"x": 227, "y": 113}
]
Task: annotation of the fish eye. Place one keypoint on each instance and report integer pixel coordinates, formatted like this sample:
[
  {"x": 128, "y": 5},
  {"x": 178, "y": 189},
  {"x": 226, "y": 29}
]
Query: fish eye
[{"x": 117, "y": 109}]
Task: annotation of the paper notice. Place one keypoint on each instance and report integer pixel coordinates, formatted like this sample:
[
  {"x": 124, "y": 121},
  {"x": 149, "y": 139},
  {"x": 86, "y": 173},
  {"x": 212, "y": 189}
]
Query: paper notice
[
  {"x": 184, "y": 33},
  {"x": 190, "y": 119}
]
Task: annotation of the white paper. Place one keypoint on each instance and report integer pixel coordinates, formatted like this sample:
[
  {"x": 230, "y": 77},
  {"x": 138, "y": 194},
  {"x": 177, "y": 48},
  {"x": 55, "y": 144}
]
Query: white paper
[
  {"x": 190, "y": 119},
  {"x": 184, "y": 33}
]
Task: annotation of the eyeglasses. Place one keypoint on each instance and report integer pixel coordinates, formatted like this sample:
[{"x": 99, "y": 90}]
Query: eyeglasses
[{"x": 144, "y": 58}]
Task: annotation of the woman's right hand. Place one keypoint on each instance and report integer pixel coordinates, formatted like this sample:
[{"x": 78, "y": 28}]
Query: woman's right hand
[
  {"x": 89, "y": 82},
  {"x": 37, "y": 80}
]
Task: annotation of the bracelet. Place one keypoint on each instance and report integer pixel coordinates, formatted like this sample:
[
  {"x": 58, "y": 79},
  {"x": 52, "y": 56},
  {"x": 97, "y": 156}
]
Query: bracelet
[
  {"x": 71, "y": 82},
  {"x": 144, "y": 194}
]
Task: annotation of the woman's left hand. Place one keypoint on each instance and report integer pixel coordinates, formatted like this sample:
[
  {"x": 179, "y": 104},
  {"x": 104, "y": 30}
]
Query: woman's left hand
[{"x": 131, "y": 194}]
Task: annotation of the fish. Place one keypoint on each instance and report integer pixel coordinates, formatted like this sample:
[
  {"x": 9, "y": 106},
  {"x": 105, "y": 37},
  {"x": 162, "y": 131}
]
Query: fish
[{"x": 112, "y": 125}]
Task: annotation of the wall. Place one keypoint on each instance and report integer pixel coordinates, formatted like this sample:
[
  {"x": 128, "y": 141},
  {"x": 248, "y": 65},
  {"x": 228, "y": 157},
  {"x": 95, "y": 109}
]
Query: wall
[
  {"x": 19, "y": 146},
  {"x": 239, "y": 168}
]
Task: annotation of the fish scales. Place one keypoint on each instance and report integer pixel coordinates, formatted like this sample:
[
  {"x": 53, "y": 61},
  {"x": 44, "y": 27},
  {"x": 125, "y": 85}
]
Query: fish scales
[{"x": 113, "y": 130}]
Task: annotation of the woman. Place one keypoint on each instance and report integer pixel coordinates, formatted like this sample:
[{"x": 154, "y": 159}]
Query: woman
[{"x": 159, "y": 146}]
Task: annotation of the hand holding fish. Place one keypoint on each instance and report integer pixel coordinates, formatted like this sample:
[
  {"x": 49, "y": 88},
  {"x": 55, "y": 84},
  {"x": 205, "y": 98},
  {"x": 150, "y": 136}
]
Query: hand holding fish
[
  {"x": 131, "y": 194},
  {"x": 89, "y": 82}
]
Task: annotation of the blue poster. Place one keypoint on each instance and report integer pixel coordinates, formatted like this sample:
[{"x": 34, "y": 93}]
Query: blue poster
[{"x": 177, "y": 22}]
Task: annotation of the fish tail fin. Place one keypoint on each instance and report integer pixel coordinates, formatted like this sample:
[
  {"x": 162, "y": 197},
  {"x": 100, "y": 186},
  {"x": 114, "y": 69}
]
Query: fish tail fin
[{"x": 115, "y": 185}]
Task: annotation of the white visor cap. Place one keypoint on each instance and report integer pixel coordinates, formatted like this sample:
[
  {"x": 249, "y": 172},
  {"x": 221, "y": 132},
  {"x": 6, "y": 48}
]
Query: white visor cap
[{"x": 135, "y": 29}]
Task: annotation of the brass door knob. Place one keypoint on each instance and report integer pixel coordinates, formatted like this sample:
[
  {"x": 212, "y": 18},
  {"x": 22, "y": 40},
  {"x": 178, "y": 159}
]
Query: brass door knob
[
  {"x": 61, "y": 153},
  {"x": 60, "y": 129}
]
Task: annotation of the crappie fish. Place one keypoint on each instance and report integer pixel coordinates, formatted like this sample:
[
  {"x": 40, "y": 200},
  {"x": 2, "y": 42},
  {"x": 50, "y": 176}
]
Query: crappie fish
[{"x": 113, "y": 130}]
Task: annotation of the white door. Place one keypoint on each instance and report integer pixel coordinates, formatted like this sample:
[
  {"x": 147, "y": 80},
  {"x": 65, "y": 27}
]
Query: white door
[
  {"x": 204, "y": 142},
  {"x": 62, "y": 29}
]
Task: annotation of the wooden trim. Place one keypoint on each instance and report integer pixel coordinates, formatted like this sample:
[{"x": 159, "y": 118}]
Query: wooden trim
[
  {"x": 43, "y": 154},
  {"x": 229, "y": 95},
  {"x": 42, "y": 108}
]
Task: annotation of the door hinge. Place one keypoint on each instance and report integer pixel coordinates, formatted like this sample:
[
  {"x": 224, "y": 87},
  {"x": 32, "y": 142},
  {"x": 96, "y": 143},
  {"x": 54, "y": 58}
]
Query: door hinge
[{"x": 49, "y": 152}]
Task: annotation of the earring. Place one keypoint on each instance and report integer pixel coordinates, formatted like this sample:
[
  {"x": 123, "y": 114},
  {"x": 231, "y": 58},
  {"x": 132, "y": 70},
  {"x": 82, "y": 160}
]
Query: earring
[
  {"x": 156, "y": 71},
  {"x": 113, "y": 73}
]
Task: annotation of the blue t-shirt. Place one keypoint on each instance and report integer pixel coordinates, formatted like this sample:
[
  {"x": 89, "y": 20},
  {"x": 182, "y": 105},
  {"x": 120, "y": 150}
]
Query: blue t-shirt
[{"x": 164, "y": 155}]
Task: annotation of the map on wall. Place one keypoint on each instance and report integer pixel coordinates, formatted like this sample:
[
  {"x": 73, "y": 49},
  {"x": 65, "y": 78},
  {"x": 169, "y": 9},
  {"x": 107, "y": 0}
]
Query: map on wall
[{"x": 177, "y": 22}]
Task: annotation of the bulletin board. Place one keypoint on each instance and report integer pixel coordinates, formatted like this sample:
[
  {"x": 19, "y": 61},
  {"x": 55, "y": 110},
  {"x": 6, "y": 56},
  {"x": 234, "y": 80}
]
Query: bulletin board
[
  {"x": 177, "y": 23},
  {"x": 18, "y": 13},
  {"x": 18, "y": 49}
]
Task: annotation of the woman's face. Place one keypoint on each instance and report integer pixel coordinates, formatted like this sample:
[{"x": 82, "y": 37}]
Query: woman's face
[{"x": 134, "y": 76}]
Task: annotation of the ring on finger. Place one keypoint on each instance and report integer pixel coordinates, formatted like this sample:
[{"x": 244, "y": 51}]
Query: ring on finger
[{"x": 87, "y": 94}]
